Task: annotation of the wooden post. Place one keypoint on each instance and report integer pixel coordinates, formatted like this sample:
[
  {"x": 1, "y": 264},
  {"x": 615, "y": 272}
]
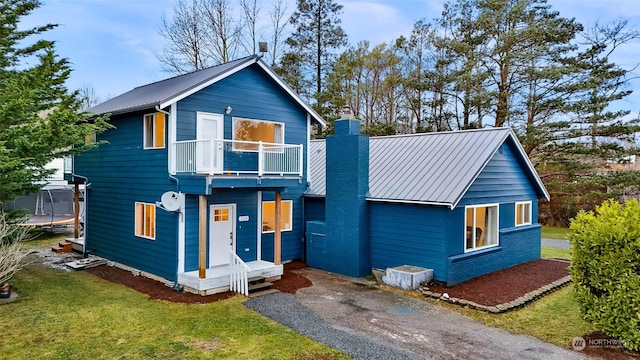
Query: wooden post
[
  {"x": 76, "y": 210},
  {"x": 277, "y": 238},
  {"x": 202, "y": 237}
]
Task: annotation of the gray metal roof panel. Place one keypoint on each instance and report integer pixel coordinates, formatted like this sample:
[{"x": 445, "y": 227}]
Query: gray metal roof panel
[
  {"x": 150, "y": 95},
  {"x": 432, "y": 167},
  {"x": 165, "y": 92}
]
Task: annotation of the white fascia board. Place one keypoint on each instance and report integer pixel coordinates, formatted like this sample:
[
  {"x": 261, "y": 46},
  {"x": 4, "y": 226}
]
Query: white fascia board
[
  {"x": 292, "y": 93},
  {"x": 414, "y": 202}
]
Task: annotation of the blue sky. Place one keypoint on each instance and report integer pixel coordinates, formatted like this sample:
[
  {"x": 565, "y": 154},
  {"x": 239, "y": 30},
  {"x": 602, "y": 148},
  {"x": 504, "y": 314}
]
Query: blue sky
[{"x": 112, "y": 43}]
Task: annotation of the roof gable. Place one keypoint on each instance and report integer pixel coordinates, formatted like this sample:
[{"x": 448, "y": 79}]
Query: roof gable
[
  {"x": 436, "y": 168},
  {"x": 166, "y": 92}
]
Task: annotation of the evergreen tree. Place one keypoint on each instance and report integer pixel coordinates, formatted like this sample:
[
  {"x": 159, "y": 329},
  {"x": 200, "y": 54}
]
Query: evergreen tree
[
  {"x": 313, "y": 43},
  {"x": 39, "y": 117}
]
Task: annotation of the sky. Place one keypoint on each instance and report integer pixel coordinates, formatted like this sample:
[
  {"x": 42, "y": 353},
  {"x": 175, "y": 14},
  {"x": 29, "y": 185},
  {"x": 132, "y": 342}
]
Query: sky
[{"x": 112, "y": 44}]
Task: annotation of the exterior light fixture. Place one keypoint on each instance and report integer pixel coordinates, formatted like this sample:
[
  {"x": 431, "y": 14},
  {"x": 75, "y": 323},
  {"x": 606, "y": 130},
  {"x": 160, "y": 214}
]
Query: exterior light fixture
[{"x": 228, "y": 110}]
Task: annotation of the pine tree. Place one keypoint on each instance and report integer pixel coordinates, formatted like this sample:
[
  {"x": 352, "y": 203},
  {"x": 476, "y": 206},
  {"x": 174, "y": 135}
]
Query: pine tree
[
  {"x": 312, "y": 44},
  {"x": 39, "y": 117}
]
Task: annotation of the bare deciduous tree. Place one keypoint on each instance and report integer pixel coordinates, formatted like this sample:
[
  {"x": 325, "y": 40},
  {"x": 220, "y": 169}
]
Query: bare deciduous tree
[
  {"x": 251, "y": 26},
  {"x": 222, "y": 33},
  {"x": 279, "y": 22},
  {"x": 12, "y": 251},
  {"x": 185, "y": 37}
]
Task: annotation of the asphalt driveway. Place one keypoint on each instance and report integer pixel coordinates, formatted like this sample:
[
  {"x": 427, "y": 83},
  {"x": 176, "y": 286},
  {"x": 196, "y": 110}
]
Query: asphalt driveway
[{"x": 368, "y": 323}]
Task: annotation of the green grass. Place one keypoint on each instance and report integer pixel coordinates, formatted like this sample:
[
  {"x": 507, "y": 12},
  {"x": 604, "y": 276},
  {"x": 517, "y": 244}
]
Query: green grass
[
  {"x": 549, "y": 252},
  {"x": 552, "y": 232},
  {"x": 75, "y": 315},
  {"x": 554, "y": 318}
]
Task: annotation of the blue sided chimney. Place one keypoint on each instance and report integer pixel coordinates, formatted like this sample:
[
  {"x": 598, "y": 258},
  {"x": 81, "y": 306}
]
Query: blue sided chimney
[{"x": 346, "y": 211}]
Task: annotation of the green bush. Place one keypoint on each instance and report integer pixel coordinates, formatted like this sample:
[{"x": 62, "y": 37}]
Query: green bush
[{"x": 606, "y": 269}]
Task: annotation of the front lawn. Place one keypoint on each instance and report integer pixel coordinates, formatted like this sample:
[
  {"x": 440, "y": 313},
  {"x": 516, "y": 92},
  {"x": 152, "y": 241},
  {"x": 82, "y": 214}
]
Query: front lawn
[
  {"x": 75, "y": 315},
  {"x": 552, "y": 232}
]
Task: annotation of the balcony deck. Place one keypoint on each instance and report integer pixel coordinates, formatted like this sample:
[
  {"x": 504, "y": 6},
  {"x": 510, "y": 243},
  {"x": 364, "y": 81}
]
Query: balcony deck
[{"x": 236, "y": 158}]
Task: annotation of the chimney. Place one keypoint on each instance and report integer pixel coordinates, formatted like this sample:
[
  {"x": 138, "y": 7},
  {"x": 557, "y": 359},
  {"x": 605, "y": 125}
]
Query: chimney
[{"x": 346, "y": 211}]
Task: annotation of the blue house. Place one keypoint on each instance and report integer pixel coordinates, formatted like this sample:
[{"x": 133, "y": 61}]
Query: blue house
[
  {"x": 462, "y": 203},
  {"x": 200, "y": 183}
]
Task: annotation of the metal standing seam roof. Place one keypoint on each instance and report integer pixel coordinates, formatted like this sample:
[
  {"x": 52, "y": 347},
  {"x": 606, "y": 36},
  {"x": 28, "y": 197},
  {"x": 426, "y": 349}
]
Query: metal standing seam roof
[
  {"x": 433, "y": 168},
  {"x": 165, "y": 92}
]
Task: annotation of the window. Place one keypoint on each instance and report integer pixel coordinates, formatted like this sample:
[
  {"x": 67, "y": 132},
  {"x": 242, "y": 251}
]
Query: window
[
  {"x": 90, "y": 139},
  {"x": 255, "y": 131},
  {"x": 221, "y": 214},
  {"x": 146, "y": 220},
  {"x": 481, "y": 226},
  {"x": 523, "y": 213},
  {"x": 269, "y": 216},
  {"x": 154, "y": 131}
]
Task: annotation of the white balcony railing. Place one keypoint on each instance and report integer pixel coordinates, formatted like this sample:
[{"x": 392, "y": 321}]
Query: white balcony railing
[
  {"x": 220, "y": 156},
  {"x": 238, "y": 274}
]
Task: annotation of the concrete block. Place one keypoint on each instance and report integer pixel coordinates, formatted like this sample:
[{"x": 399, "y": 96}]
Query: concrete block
[{"x": 407, "y": 277}]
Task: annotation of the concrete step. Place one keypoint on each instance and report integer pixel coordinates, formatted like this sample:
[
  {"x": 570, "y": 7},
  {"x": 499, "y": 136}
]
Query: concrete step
[
  {"x": 259, "y": 286},
  {"x": 263, "y": 292}
]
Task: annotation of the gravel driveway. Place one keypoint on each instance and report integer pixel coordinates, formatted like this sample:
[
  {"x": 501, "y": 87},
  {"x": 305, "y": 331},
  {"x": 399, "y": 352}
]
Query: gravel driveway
[{"x": 368, "y": 323}]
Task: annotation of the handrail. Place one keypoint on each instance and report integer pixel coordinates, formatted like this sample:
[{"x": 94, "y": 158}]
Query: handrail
[
  {"x": 222, "y": 156},
  {"x": 238, "y": 274}
]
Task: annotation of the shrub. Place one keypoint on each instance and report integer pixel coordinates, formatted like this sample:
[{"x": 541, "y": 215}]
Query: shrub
[
  {"x": 606, "y": 269},
  {"x": 12, "y": 252}
]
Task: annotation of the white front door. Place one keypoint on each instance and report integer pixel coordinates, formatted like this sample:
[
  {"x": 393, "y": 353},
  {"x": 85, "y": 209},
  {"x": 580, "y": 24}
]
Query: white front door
[
  {"x": 221, "y": 233},
  {"x": 210, "y": 154}
]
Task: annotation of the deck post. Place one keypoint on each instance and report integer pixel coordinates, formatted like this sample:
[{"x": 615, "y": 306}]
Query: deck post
[
  {"x": 76, "y": 210},
  {"x": 277, "y": 234},
  {"x": 202, "y": 237}
]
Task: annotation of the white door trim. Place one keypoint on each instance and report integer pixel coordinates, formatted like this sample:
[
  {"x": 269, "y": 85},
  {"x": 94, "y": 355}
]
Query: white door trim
[
  {"x": 217, "y": 148},
  {"x": 211, "y": 241}
]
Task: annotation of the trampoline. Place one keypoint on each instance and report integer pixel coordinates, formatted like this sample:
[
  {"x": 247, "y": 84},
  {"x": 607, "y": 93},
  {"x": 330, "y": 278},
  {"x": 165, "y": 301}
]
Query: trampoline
[{"x": 50, "y": 207}]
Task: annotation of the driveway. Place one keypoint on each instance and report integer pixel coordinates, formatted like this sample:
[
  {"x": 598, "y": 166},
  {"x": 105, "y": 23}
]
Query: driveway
[
  {"x": 556, "y": 243},
  {"x": 354, "y": 317}
]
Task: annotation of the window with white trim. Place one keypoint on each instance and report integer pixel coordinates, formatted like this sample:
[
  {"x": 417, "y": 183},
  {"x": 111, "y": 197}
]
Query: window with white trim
[
  {"x": 269, "y": 216},
  {"x": 523, "y": 213},
  {"x": 153, "y": 131},
  {"x": 145, "y": 222},
  {"x": 248, "y": 132},
  {"x": 481, "y": 226}
]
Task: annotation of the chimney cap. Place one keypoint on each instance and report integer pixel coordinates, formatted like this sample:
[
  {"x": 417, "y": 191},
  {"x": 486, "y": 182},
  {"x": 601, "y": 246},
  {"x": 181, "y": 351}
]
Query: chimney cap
[{"x": 346, "y": 112}]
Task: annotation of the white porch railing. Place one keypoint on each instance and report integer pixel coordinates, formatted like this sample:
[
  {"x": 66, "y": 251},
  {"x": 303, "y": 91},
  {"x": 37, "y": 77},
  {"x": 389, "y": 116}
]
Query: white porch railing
[
  {"x": 220, "y": 156},
  {"x": 238, "y": 274}
]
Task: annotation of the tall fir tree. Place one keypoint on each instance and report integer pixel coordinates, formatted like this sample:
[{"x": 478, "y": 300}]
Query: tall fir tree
[
  {"x": 313, "y": 45},
  {"x": 40, "y": 119}
]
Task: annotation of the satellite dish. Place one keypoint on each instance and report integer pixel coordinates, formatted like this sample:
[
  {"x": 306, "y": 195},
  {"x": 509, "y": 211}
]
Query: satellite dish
[{"x": 172, "y": 201}]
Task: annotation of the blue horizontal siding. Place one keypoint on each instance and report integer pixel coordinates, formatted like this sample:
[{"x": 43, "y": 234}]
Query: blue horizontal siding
[
  {"x": 291, "y": 241},
  {"x": 503, "y": 180},
  {"x": 120, "y": 173},
  {"x": 404, "y": 234},
  {"x": 252, "y": 94},
  {"x": 517, "y": 246}
]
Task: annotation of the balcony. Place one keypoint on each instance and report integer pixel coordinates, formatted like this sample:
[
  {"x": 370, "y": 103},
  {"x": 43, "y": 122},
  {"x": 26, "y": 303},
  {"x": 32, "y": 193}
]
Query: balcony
[{"x": 232, "y": 157}]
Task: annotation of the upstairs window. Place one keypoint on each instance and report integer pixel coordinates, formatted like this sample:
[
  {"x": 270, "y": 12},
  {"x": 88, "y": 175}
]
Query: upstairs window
[
  {"x": 154, "y": 130},
  {"x": 145, "y": 222},
  {"x": 523, "y": 213},
  {"x": 255, "y": 131},
  {"x": 269, "y": 216},
  {"x": 481, "y": 226}
]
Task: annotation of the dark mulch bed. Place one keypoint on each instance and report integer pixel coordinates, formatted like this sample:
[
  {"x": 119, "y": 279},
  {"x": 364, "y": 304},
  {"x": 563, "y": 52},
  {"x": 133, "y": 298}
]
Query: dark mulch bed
[
  {"x": 156, "y": 290},
  {"x": 508, "y": 284}
]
